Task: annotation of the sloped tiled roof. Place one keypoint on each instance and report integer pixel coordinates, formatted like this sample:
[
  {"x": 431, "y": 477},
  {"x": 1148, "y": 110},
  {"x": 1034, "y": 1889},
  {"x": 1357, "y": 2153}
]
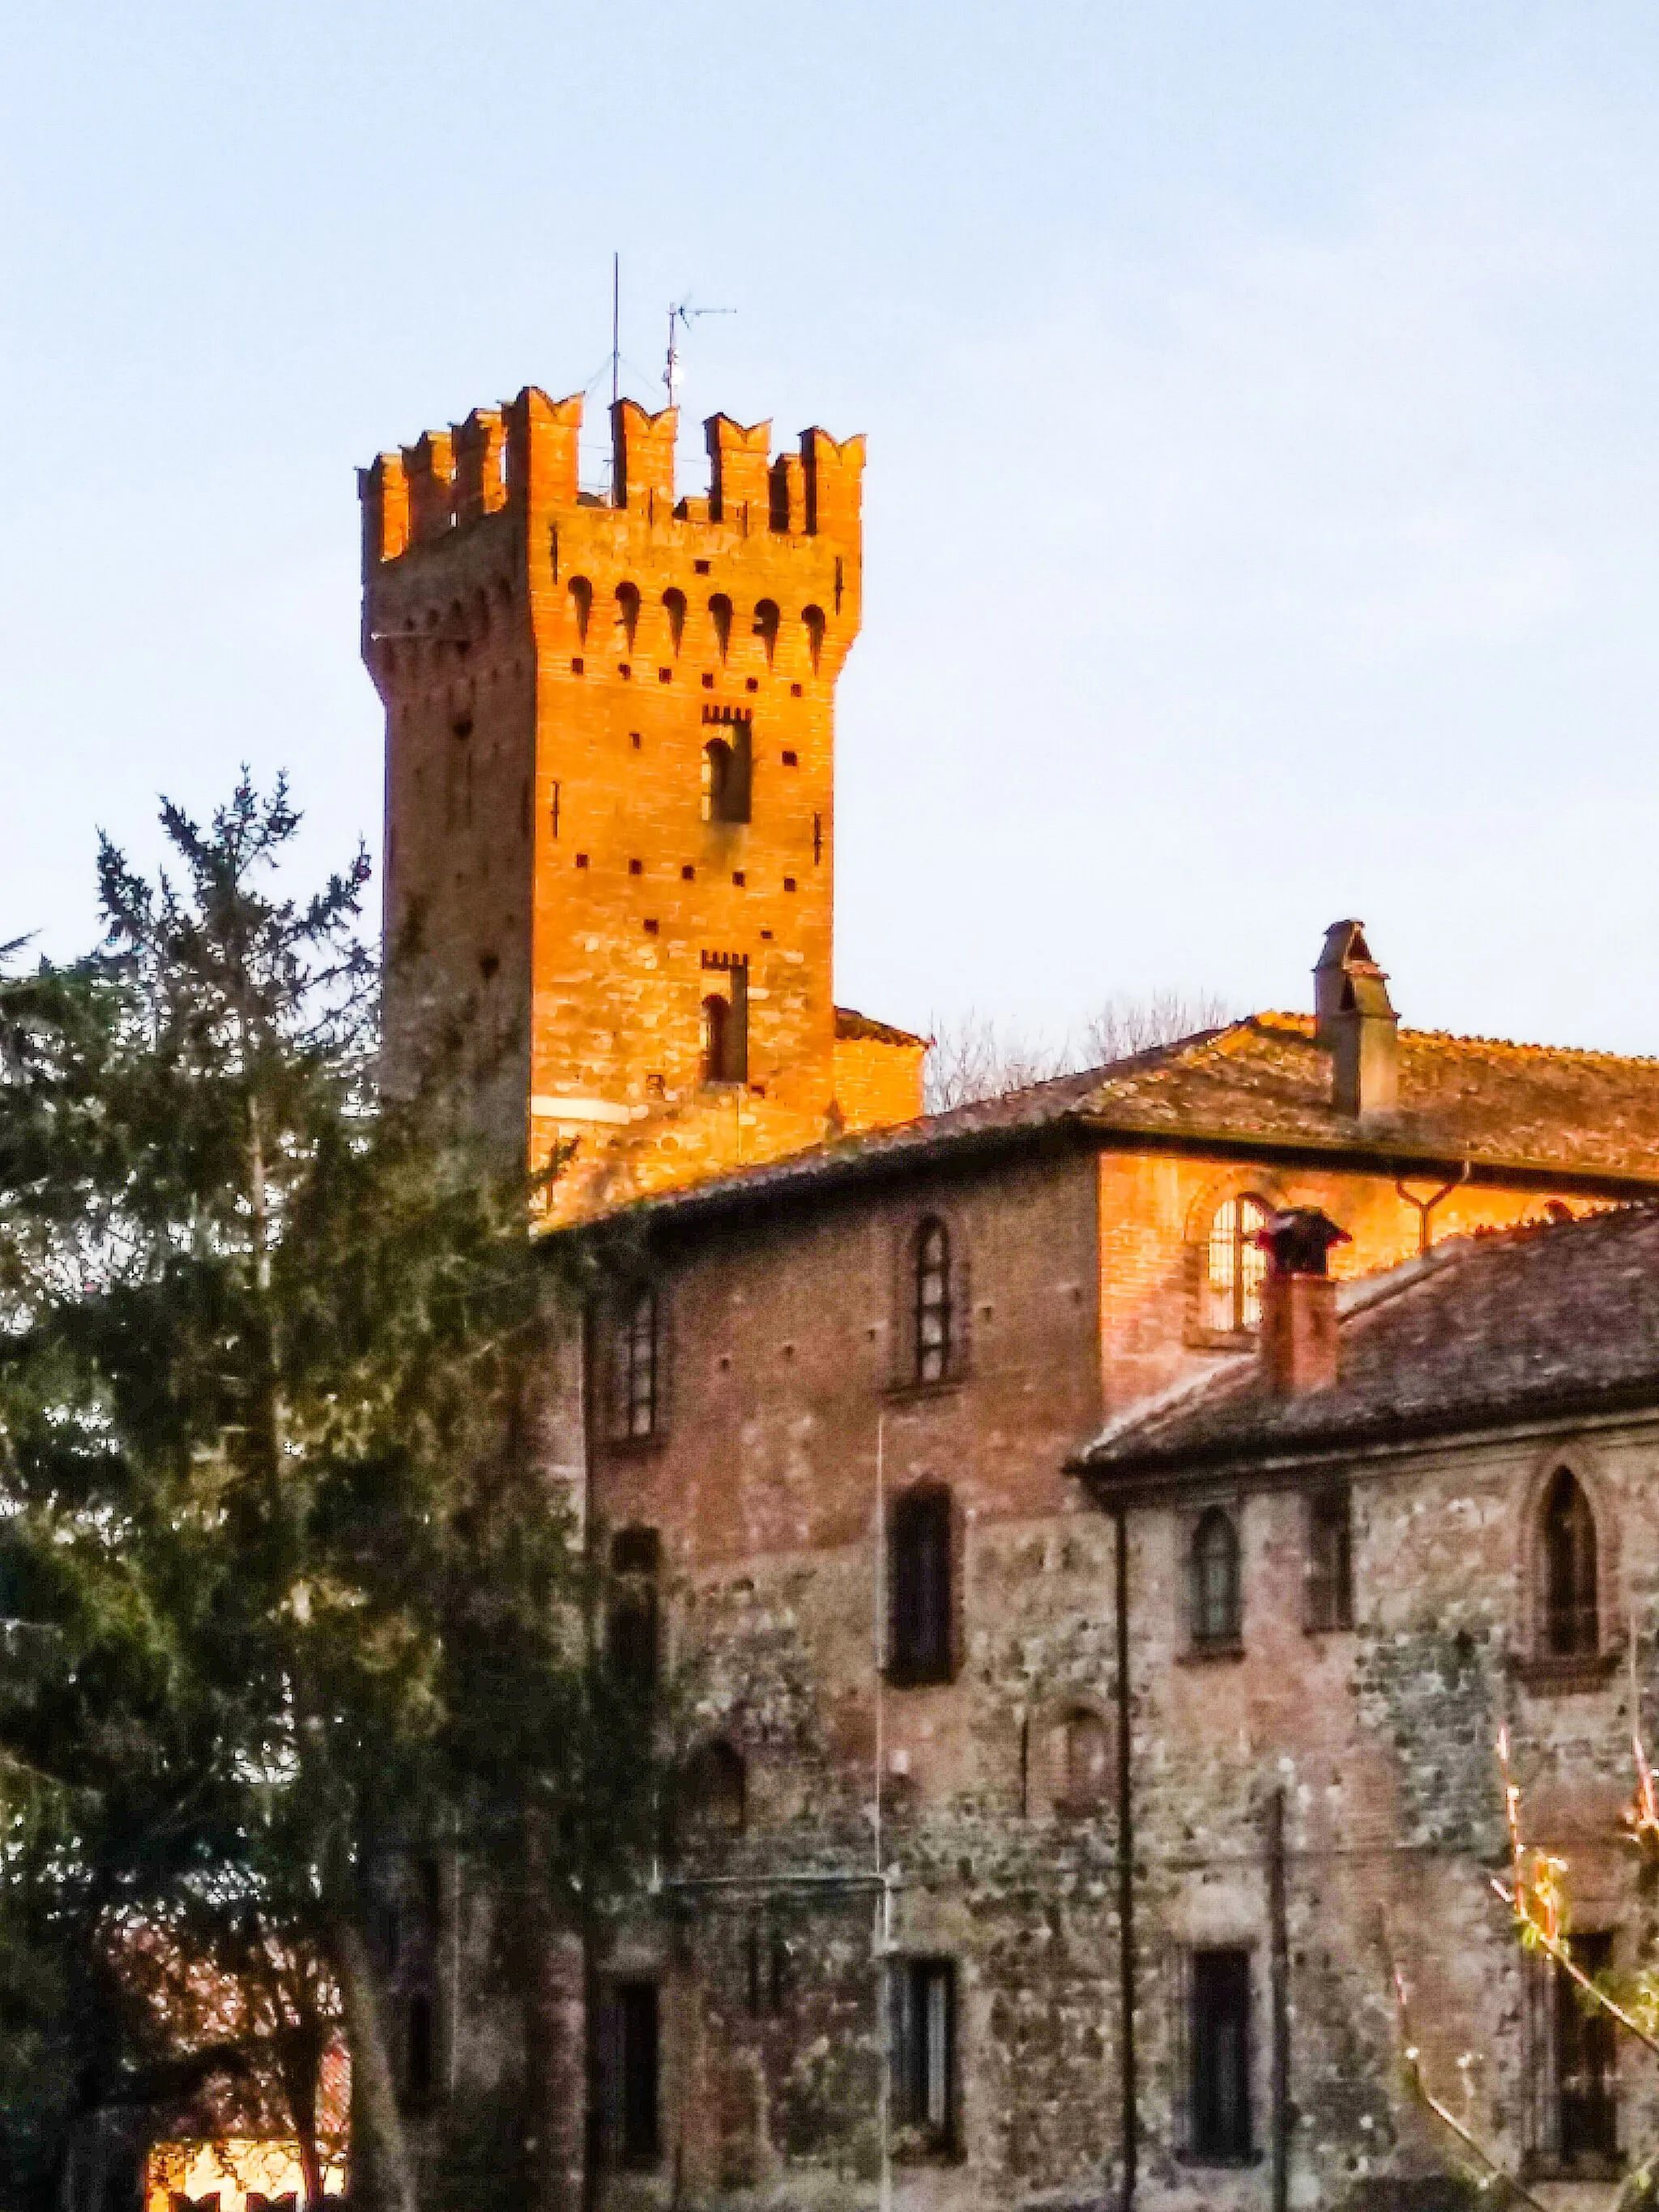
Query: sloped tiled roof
[
  {"x": 1486, "y": 1329},
  {"x": 1262, "y": 1082},
  {"x": 850, "y": 1024}
]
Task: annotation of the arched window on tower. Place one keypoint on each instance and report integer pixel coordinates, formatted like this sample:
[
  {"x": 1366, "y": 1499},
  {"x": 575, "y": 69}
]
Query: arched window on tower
[
  {"x": 1567, "y": 1553},
  {"x": 933, "y": 1316},
  {"x": 720, "y": 608},
  {"x": 813, "y": 618},
  {"x": 673, "y": 601},
  {"x": 1213, "y": 1582},
  {"x": 1235, "y": 1264},
  {"x": 716, "y": 780},
  {"x": 767, "y": 619},
  {"x": 628, "y": 613}
]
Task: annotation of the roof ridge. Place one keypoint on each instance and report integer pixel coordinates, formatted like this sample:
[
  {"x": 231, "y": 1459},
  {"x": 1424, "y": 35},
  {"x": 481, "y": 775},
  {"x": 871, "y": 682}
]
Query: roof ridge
[{"x": 1304, "y": 1023}]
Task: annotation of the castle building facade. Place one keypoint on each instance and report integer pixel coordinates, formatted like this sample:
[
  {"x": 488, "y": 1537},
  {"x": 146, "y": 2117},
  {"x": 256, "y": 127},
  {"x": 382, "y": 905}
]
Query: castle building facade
[{"x": 850, "y": 1413}]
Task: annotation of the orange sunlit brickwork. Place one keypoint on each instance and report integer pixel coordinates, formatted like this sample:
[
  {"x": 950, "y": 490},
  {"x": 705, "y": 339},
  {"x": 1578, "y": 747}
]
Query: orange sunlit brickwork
[{"x": 610, "y": 788}]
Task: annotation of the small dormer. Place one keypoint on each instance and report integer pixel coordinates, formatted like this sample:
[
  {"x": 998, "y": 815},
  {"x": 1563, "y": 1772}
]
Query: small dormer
[{"x": 1355, "y": 1021}]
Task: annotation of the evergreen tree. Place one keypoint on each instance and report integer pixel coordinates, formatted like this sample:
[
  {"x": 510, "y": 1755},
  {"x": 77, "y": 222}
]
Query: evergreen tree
[{"x": 296, "y": 1593}]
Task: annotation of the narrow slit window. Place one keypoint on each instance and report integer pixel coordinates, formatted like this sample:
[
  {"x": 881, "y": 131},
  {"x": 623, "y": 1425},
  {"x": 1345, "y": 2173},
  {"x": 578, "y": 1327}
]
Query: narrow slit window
[
  {"x": 581, "y": 604},
  {"x": 933, "y": 1316}
]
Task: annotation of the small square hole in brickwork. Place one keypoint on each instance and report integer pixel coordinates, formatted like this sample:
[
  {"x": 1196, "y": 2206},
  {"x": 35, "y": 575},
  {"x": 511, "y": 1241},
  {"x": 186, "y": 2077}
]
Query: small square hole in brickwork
[
  {"x": 462, "y": 725},
  {"x": 790, "y": 760},
  {"x": 707, "y": 682},
  {"x": 650, "y": 929},
  {"x": 751, "y": 683},
  {"x": 701, "y": 567},
  {"x": 581, "y": 859},
  {"x": 623, "y": 671},
  {"x": 688, "y": 873},
  {"x": 794, "y": 691},
  {"x": 665, "y": 676},
  {"x": 766, "y": 936},
  {"x": 576, "y": 667},
  {"x": 724, "y": 1362},
  {"x": 739, "y": 878},
  {"x": 637, "y": 867},
  {"x": 789, "y": 883},
  {"x": 634, "y": 740},
  {"x": 656, "y": 1085}
]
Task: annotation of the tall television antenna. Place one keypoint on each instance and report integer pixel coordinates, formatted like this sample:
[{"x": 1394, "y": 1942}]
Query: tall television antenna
[{"x": 681, "y": 318}]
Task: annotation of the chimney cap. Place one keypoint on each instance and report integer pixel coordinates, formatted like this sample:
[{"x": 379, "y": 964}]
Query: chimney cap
[{"x": 1297, "y": 1240}]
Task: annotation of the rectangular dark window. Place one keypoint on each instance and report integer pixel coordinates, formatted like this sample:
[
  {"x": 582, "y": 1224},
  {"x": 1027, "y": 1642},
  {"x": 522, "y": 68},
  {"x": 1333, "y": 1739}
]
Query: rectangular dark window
[
  {"x": 920, "y": 1572},
  {"x": 631, "y": 1624},
  {"x": 420, "y": 2052},
  {"x": 1330, "y": 1560},
  {"x": 1587, "y": 2109},
  {"x": 630, "y": 2054},
  {"x": 1219, "y": 2047},
  {"x": 923, "y": 1994}
]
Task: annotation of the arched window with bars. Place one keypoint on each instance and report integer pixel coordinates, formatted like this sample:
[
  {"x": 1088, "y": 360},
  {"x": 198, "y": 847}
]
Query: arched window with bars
[
  {"x": 635, "y": 1407},
  {"x": 1235, "y": 1264}
]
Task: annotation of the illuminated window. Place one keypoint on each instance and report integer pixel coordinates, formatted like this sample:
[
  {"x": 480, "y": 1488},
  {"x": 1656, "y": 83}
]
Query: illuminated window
[{"x": 1237, "y": 1265}]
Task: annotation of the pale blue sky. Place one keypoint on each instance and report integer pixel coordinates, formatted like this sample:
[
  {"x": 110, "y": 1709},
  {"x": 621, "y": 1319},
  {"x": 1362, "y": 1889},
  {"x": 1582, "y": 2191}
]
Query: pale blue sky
[{"x": 1263, "y": 484}]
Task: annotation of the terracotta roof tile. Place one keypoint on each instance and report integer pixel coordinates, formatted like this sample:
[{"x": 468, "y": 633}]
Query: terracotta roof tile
[
  {"x": 1486, "y": 1329},
  {"x": 1264, "y": 1081}
]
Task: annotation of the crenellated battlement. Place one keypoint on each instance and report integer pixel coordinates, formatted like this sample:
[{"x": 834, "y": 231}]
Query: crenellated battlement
[{"x": 524, "y": 457}]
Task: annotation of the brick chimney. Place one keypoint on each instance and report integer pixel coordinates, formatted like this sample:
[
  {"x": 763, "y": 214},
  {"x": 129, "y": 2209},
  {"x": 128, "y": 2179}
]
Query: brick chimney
[
  {"x": 1298, "y": 1301},
  {"x": 1357, "y": 1024}
]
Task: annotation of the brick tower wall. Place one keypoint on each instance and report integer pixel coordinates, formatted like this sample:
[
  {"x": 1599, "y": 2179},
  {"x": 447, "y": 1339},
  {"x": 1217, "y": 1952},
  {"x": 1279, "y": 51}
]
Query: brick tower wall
[{"x": 553, "y": 666}]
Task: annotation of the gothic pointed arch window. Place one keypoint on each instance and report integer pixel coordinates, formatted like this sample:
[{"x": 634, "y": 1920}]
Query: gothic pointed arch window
[
  {"x": 1569, "y": 1611},
  {"x": 1235, "y": 1264},
  {"x": 1214, "y": 1592},
  {"x": 933, "y": 1313}
]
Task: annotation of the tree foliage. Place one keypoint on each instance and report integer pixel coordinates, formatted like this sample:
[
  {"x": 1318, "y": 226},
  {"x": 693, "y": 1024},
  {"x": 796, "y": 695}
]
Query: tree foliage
[{"x": 293, "y": 1591}]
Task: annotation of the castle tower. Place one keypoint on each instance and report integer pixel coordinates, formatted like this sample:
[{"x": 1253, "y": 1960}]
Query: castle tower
[{"x": 610, "y": 786}]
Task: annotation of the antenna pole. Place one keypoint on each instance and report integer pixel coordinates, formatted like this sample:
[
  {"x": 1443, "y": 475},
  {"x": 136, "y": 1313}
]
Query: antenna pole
[{"x": 616, "y": 328}]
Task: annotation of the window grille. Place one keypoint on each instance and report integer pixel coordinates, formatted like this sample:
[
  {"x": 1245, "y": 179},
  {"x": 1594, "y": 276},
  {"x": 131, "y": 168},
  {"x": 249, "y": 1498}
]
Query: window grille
[
  {"x": 1238, "y": 1265},
  {"x": 932, "y": 1302},
  {"x": 635, "y": 1375},
  {"x": 1214, "y": 1580},
  {"x": 1330, "y": 1560},
  {"x": 923, "y": 1996},
  {"x": 1572, "y": 1626}
]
